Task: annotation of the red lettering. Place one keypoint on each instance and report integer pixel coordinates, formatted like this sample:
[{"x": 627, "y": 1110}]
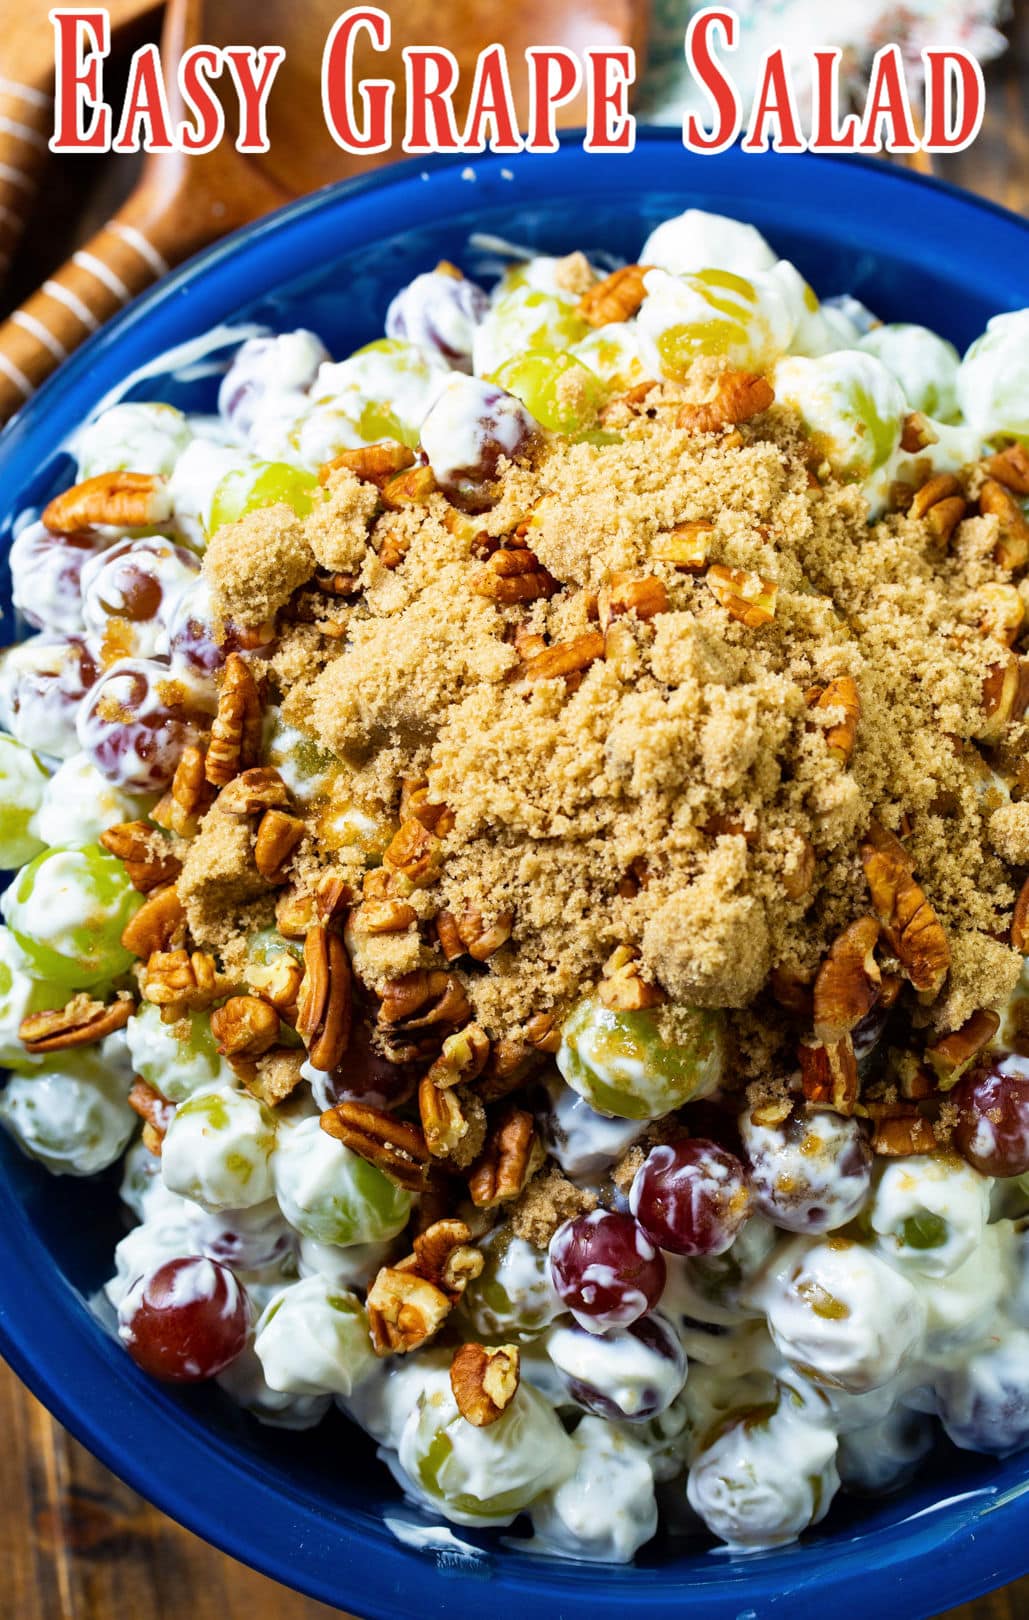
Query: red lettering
[
  {"x": 955, "y": 100},
  {"x": 208, "y": 125},
  {"x": 375, "y": 95},
  {"x": 610, "y": 127},
  {"x": 491, "y": 105},
  {"x": 433, "y": 102},
  {"x": 81, "y": 40},
  {"x": 548, "y": 91},
  {"x": 828, "y": 134},
  {"x": 774, "y": 104},
  {"x": 708, "y": 72},
  {"x": 145, "y": 120},
  {"x": 887, "y": 105},
  {"x": 253, "y": 71}
]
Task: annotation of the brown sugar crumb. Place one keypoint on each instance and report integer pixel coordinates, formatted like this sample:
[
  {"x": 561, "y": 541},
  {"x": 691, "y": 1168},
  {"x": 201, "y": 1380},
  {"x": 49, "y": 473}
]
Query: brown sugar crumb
[
  {"x": 219, "y": 879},
  {"x": 626, "y": 1170},
  {"x": 254, "y": 566},
  {"x": 1009, "y": 833},
  {"x": 337, "y": 529},
  {"x": 548, "y": 1201},
  {"x": 983, "y": 974}
]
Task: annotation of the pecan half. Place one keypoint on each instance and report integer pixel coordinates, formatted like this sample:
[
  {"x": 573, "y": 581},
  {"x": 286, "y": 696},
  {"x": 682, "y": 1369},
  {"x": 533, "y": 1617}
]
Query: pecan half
[
  {"x": 744, "y": 596},
  {"x": 80, "y": 1023},
  {"x": 512, "y": 1156},
  {"x": 543, "y": 1031},
  {"x": 739, "y": 396},
  {"x": 462, "y": 1057},
  {"x": 645, "y": 595},
  {"x": 453, "y": 1122},
  {"x": 324, "y": 1003},
  {"x": 1009, "y": 467},
  {"x": 471, "y": 934},
  {"x": 828, "y": 1072},
  {"x": 245, "y": 1026},
  {"x": 422, "y": 999},
  {"x": 372, "y": 463},
  {"x": 565, "y": 657},
  {"x": 912, "y": 928},
  {"x": 616, "y": 298},
  {"x": 622, "y": 989},
  {"x": 180, "y": 809},
  {"x": 180, "y": 981},
  {"x": 404, "y": 1311},
  {"x": 514, "y": 575},
  {"x": 842, "y": 694},
  {"x": 686, "y": 546},
  {"x": 278, "y": 835},
  {"x": 414, "y": 801},
  {"x": 847, "y": 984},
  {"x": 394, "y": 1147},
  {"x": 415, "y": 852},
  {"x": 485, "y": 1381},
  {"x": 156, "y": 1112},
  {"x": 123, "y": 500},
  {"x": 383, "y": 917},
  {"x": 1012, "y": 548},
  {"x": 409, "y": 488},
  {"x": 941, "y": 502},
  {"x": 950, "y": 1056},
  {"x": 158, "y": 925},
  {"x": 137, "y": 846},
  {"x": 254, "y": 791},
  {"x": 901, "y": 1136},
  {"x": 445, "y": 1255},
  {"x": 236, "y": 732}
]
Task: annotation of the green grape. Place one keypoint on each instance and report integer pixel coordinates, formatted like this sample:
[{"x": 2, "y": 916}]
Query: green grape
[
  {"x": 523, "y": 320},
  {"x": 714, "y": 313},
  {"x": 557, "y": 389},
  {"x": 313, "y": 1339},
  {"x": 623, "y": 1064},
  {"x": 485, "y": 1475},
  {"x": 71, "y": 1114},
  {"x": 67, "y": 909},
  {"x": 925, "y": 365},
  {"x": 22, "y": 784},
  {"x": 383, "y": 390},
  {"x": 993, "y": 379},
  {"x": 217, "y": 1150},
  {"x": 176, "y": 1059},
  {"x": 330, "y": 1194},
  {"x": 244, "y": 489},
  {"x": 851, "y": 405},
  {"x": 20, "y": 994},
  {"x": 513, "y": 1296}
]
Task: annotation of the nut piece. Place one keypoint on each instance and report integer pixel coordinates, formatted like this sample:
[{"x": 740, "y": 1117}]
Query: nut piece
[
  {"x": 1012, "y": 548},
  {"x": 686, "y": 546},
  {"x": 404, "y": 1311},
  {"x": 616, "y": 298},
  {"x": 484, "y": 1381},
  {"x": 841, "y": 693},
  {"x": 565, "y": 657},
  {"x": 395, "y": 1148},
  {"x": 941, "y": 503},
  {"x": 740, "y": 396},
  {"x": 180, "y": 981},
  {"x": 415, "y": 801},
  {"x": 514, "y": 575},
  {"x": 512, "y": 1156},
  {"x": 847, "y": 985},
  {"x": 829, "y": 1074},
  {"x": 422, "y": 999},
  {"x": 1003, "y": 612},
  {"x": 954, "y": 1053},
  {"x": 454, "y": 1125},
  {"x": 410, "y": 488},
  {"x": 1001, "y": 699},
  {"x": 1020, "y": 920},
  {"x": 444, "y": 1255},
  {"x": 277, "y": 837},
  {"x": 1009, "y": 467},
  {"x": 622, "y": 989},
  {"x": 236, "y": 732},
  {"x": 912, "y": 928},
  {"x": 744, "y": 596},
  {"x": 415, "y": 852},
  {"x": 246, "y": 1026},
  {"x": 645, "y": 596},
  {"x": 158, "y": 925},
  {"x": 180, "y": 809},
  {"x": 372, "y": 463},
  {"x": 156, "y": 1111},
  {"x": 463, "y": 1057},
  {"x": 125, "y": 500},
  {"x": 901, "y": 1136},
  {"x": 324, "y": 1002},
  {"x": 254, "y": 791},
  {"x": 137, "y": 846},
  {"x": 470, "y": 933},
  {"x": 81, "y": 1022}
]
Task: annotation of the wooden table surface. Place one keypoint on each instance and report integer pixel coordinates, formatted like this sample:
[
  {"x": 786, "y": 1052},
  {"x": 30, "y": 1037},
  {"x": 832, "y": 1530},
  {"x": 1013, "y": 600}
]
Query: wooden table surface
[{"x": 77, "y": 1544}]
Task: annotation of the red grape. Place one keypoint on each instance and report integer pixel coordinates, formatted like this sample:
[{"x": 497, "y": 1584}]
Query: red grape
[
  {"x": 137, "y": 583},
  {"x": 992, "y": 1131},
  {"x": 365, "y": 1075},
  {"x": 185, "y": 1321},
  {"x": 247, "y": 1239},
  {"x": 197, "y": 652},
  {"x": 691, "y": 1198},
  {"x": 42, "y": 684},
  {"x": 606, "y": 1270},
  {"x": 630, "y": 1375},
  {"x": 135, "y": 724},
  {"x": 282, "y": 365},
  {"x": 439, "y": 312},
  {"x": 46, "y": 576},
  {"x": 470, "y": 428},
  {"x": 810, "y": 1174}
]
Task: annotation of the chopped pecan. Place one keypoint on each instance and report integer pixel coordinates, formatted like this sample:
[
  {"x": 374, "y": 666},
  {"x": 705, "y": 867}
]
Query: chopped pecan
[
  {"x": 121, "y": 500},
  {"x": 543, "y": 1031},
  {"x": 616, "y": 298},
  {"x": 1009, "y": 467},
  {"x": 453, "y": 1123},
  {"x": 295, "y": 913},
  {"x": 686, "y": 546},
  {"x": 429, "y": 996},
  {"x": 158, "y": 925},
  {"x": 514, "y": 575},
  {"x": 950, "y": 1056},
  {"x": 462, "y": 1058},
  {"x": 512, "y": 1156},
  {"x": 137, "y": 846},
  {"x": 1002, "y": 696},
  {"x": 941, "y": 502},
  {"x": 842, "y": 693},
  {"x": 404, "y": 1311},
  {"x": 383, "y": 917},
  {"x": 901, "y": 1136},
  {"x": 917, "y": 433},
  {"x": 253, "y": 792},
  {"x": 324, "y": 1002},
  {"x": 739, "y": 396},
  {"x": 912, "y": 928},
  {"x": 278, "y": 835},
  {"x": 245, "y": 1026},
  {"x": 278, "y": 981},
  {"x": 372, "y": 463},
  {"x": 1012, "y": 548},
  {"x": 180, "y": 981},
  {"x": 180, "y": 809},
  {"x": 445, "y": 1255},
  {"x": 829, "y": 1075},
  {"x": 484, "y": 1381},
  {"x": 409, "y": 488},
  {"x": 155, "y": 1111},
  {"x": 414, "y": 801},
  {"x": 393, "y": 549},
  {"x": 81, "y": 1022},
  {"x": 645, "y": 595},
  {"x": 565, "y": 657},
  {"x": 236, "y": 732},
  {"x": 847, "y": 984},
  {"x": 470, "y": 934},
  {"x": 272, "y": 1077},
  {"x": 394, "y": 1147},
  {"x": 1020, "y": 920},
  {"x": 793, "y": 991},
  {"x": 415, "y": 852},
  {"x": 797, "y": 878},
  {"x": 774, "y": 1111},
  {"x": 744, "y": 596},
  {"x": 1002, "y": 612},
  {"x": 622, "y": 988}
]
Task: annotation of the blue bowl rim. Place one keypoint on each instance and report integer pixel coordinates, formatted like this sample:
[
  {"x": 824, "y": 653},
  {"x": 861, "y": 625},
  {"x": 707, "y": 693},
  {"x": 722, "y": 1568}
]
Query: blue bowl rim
[{"x": 974, "y": 1548}]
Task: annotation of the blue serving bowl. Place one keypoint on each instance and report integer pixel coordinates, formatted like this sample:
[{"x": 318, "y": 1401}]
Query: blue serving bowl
[{"x": 312, "y": 1509}]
